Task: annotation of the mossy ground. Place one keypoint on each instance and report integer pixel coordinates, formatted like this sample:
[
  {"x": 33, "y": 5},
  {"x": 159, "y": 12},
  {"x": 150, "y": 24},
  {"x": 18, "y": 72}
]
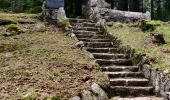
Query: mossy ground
[
  {"x": 135, "y": 38},
  {"x": 40, "y": 63}
]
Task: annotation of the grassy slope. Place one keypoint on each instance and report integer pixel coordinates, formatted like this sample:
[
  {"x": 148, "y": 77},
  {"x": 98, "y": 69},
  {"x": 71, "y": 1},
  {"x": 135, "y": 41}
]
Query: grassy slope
[
  {"x": 137, "y": 39},
  {"x": 41, "y": 64}
]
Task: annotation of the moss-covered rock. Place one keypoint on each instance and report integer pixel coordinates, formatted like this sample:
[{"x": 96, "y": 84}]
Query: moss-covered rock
[
  {"x": 146, "y": 25},
  {"x": 64, "y": 22},
  {"x": 12, "y": 29}
]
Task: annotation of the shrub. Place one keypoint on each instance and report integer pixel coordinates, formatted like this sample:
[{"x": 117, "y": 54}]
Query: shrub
[
  {"x": 64, "y": 22},
  {"x": 13, "y": 29}
]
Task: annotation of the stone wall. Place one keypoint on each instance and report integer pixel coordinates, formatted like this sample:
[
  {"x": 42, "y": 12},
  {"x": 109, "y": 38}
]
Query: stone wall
[
  {"x": 96, "y": 93},
  {"x": 99, "y": 9},
  {"x": 159, "y": 79}
]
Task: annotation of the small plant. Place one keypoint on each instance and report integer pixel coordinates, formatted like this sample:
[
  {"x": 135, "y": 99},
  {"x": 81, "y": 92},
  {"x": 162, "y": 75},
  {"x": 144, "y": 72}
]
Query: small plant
[
  {"x": 64, "y": 22},
  {"x": 12, "y": 29}
]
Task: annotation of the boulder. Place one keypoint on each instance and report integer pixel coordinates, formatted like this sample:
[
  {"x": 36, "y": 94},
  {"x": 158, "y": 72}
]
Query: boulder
[
  {"x": 100, "y": 94},
  {"x": 80, "y": 44},
  {"x": 61, "y": 15},
  {"x": 8, "y": 34},
  {"x": 87, "y": 95},
  {"x": 76, "y": 98},
  {"x": 99, "y": 3},
  {"x": 158, "y": 38},
  {"x": 126, "y": 16}
]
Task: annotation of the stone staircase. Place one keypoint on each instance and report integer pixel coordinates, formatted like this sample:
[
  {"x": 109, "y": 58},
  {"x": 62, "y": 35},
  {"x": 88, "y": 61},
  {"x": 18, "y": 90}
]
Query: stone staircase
[{"x": 125, "y": 79}]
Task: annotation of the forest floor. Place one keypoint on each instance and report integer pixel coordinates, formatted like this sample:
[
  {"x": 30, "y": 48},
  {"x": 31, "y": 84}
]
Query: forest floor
[
  {"x": 42, "y": 62},
  {"x": 135, "y": 38}
]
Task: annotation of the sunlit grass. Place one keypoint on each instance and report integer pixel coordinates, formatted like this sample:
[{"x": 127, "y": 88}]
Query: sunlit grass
[{"x": 136, "y": 39}]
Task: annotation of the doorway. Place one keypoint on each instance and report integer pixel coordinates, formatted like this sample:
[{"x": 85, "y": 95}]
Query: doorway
[{"x": 73, "y": 8}]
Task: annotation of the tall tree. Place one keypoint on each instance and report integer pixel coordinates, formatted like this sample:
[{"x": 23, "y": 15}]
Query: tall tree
[{"x": 152, "y": 9}]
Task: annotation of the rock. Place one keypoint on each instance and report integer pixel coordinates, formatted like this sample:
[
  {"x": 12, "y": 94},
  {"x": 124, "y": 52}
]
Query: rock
[
  {"x": 167, "y": 97},
  {"x": 54, "y": 14},
  {"x": 26, "y": 21},
  {"x": 126, "y": 16},
  {"x": 99, "y": 3},
  {"x": 157, "y": 38},
  {"x": 146, "y": 25},
  {"x": 85, "y": 78},
  {"x": 166, "y": 72},
  {"x": 80, "y": 44},
  {"x": 110, "y": 24},
  {"x": 72, "y": 35},
  {"x": 99, "y": 92},
  {"x": 87, "y": 95},
  {"x": 40, "y": 27},
  {"x": 61, "y": 15},
  {"x": 69, "y": 28},
  {"x": 76, "y": 98},
  {"x": 7, "y": 34}
]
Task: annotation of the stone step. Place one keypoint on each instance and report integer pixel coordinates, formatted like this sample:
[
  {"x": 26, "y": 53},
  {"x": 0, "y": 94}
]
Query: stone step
[
  {"x": 90, "y": 36},
  {"x": 93, "y": 40},
  {"x": 84, "y": 24},
  {"x": 124, "y": 74},
  {"x": 131, "y": 91},
  {"x": 86, "y": 32},
  {"x": 129, "y": 82},
  {"x": 104, "y": 62},
  {"x": 119, "y": 68},
  {"x": 74, "y": 20},
  {"x": 98, "y": 44},
  {"x": 87, "y": 28},
  {"x": 102, "y": 50},
  {"x": 109, "y": 56}
]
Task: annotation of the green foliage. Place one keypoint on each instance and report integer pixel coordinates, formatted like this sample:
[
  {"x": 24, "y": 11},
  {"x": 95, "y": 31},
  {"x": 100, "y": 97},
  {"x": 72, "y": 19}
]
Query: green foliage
[
  {"x": 29, "y": 6},
  {"x": 64, "y": 22},
  {"x": 13, "y": 28}
]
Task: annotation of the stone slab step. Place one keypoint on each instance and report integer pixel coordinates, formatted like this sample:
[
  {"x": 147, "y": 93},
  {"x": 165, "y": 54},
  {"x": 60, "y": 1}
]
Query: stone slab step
[
  {"x": 86, "y": 32},
  {"x": 90, "y": 36},
  {"x": 104, "y": 62},
  {"x": 129, "y": 82},
  {"x": 131, "y": 91},
  {"x": 119, "y": 68},
  {"x": 85, "y": 24},
  {"x": 102, "y": 50},
  {"x": 98, "y": 44},
  {"x": 109, "y": 56},
  {"x": 74, "y": 20},
  {"x": 124, "y": 74},
  {"x": 93, "y": 40},
  {"x": 137, "y": 98},
  {"x": 86, "y": 28}
]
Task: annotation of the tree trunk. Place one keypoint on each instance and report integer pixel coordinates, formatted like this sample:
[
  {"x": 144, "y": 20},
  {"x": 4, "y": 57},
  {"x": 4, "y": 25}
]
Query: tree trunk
[
  {"x": 18, "y": 6},
  {"x": 152, "y": 9}
]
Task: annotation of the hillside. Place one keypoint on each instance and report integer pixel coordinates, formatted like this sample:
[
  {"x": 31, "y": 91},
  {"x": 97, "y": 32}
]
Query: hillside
[
  {"x": 142, "y": 43},
  {"x": 41, "y": 62}
]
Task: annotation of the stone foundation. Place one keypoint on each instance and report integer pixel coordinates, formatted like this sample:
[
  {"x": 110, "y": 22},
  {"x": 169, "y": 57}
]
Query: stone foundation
[
  {"x": 99, "y": 9},
  {"x": 54, "y": 14}
]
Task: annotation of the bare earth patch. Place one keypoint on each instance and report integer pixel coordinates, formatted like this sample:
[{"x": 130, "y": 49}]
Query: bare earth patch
[{"x": 43, "y": 63}]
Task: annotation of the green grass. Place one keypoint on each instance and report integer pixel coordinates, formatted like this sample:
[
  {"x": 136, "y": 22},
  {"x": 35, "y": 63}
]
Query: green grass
[
  {"x": 15, "y": 17},
  {"x": 43, "y": 64},
  {"x": 136, "y": 39}
]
